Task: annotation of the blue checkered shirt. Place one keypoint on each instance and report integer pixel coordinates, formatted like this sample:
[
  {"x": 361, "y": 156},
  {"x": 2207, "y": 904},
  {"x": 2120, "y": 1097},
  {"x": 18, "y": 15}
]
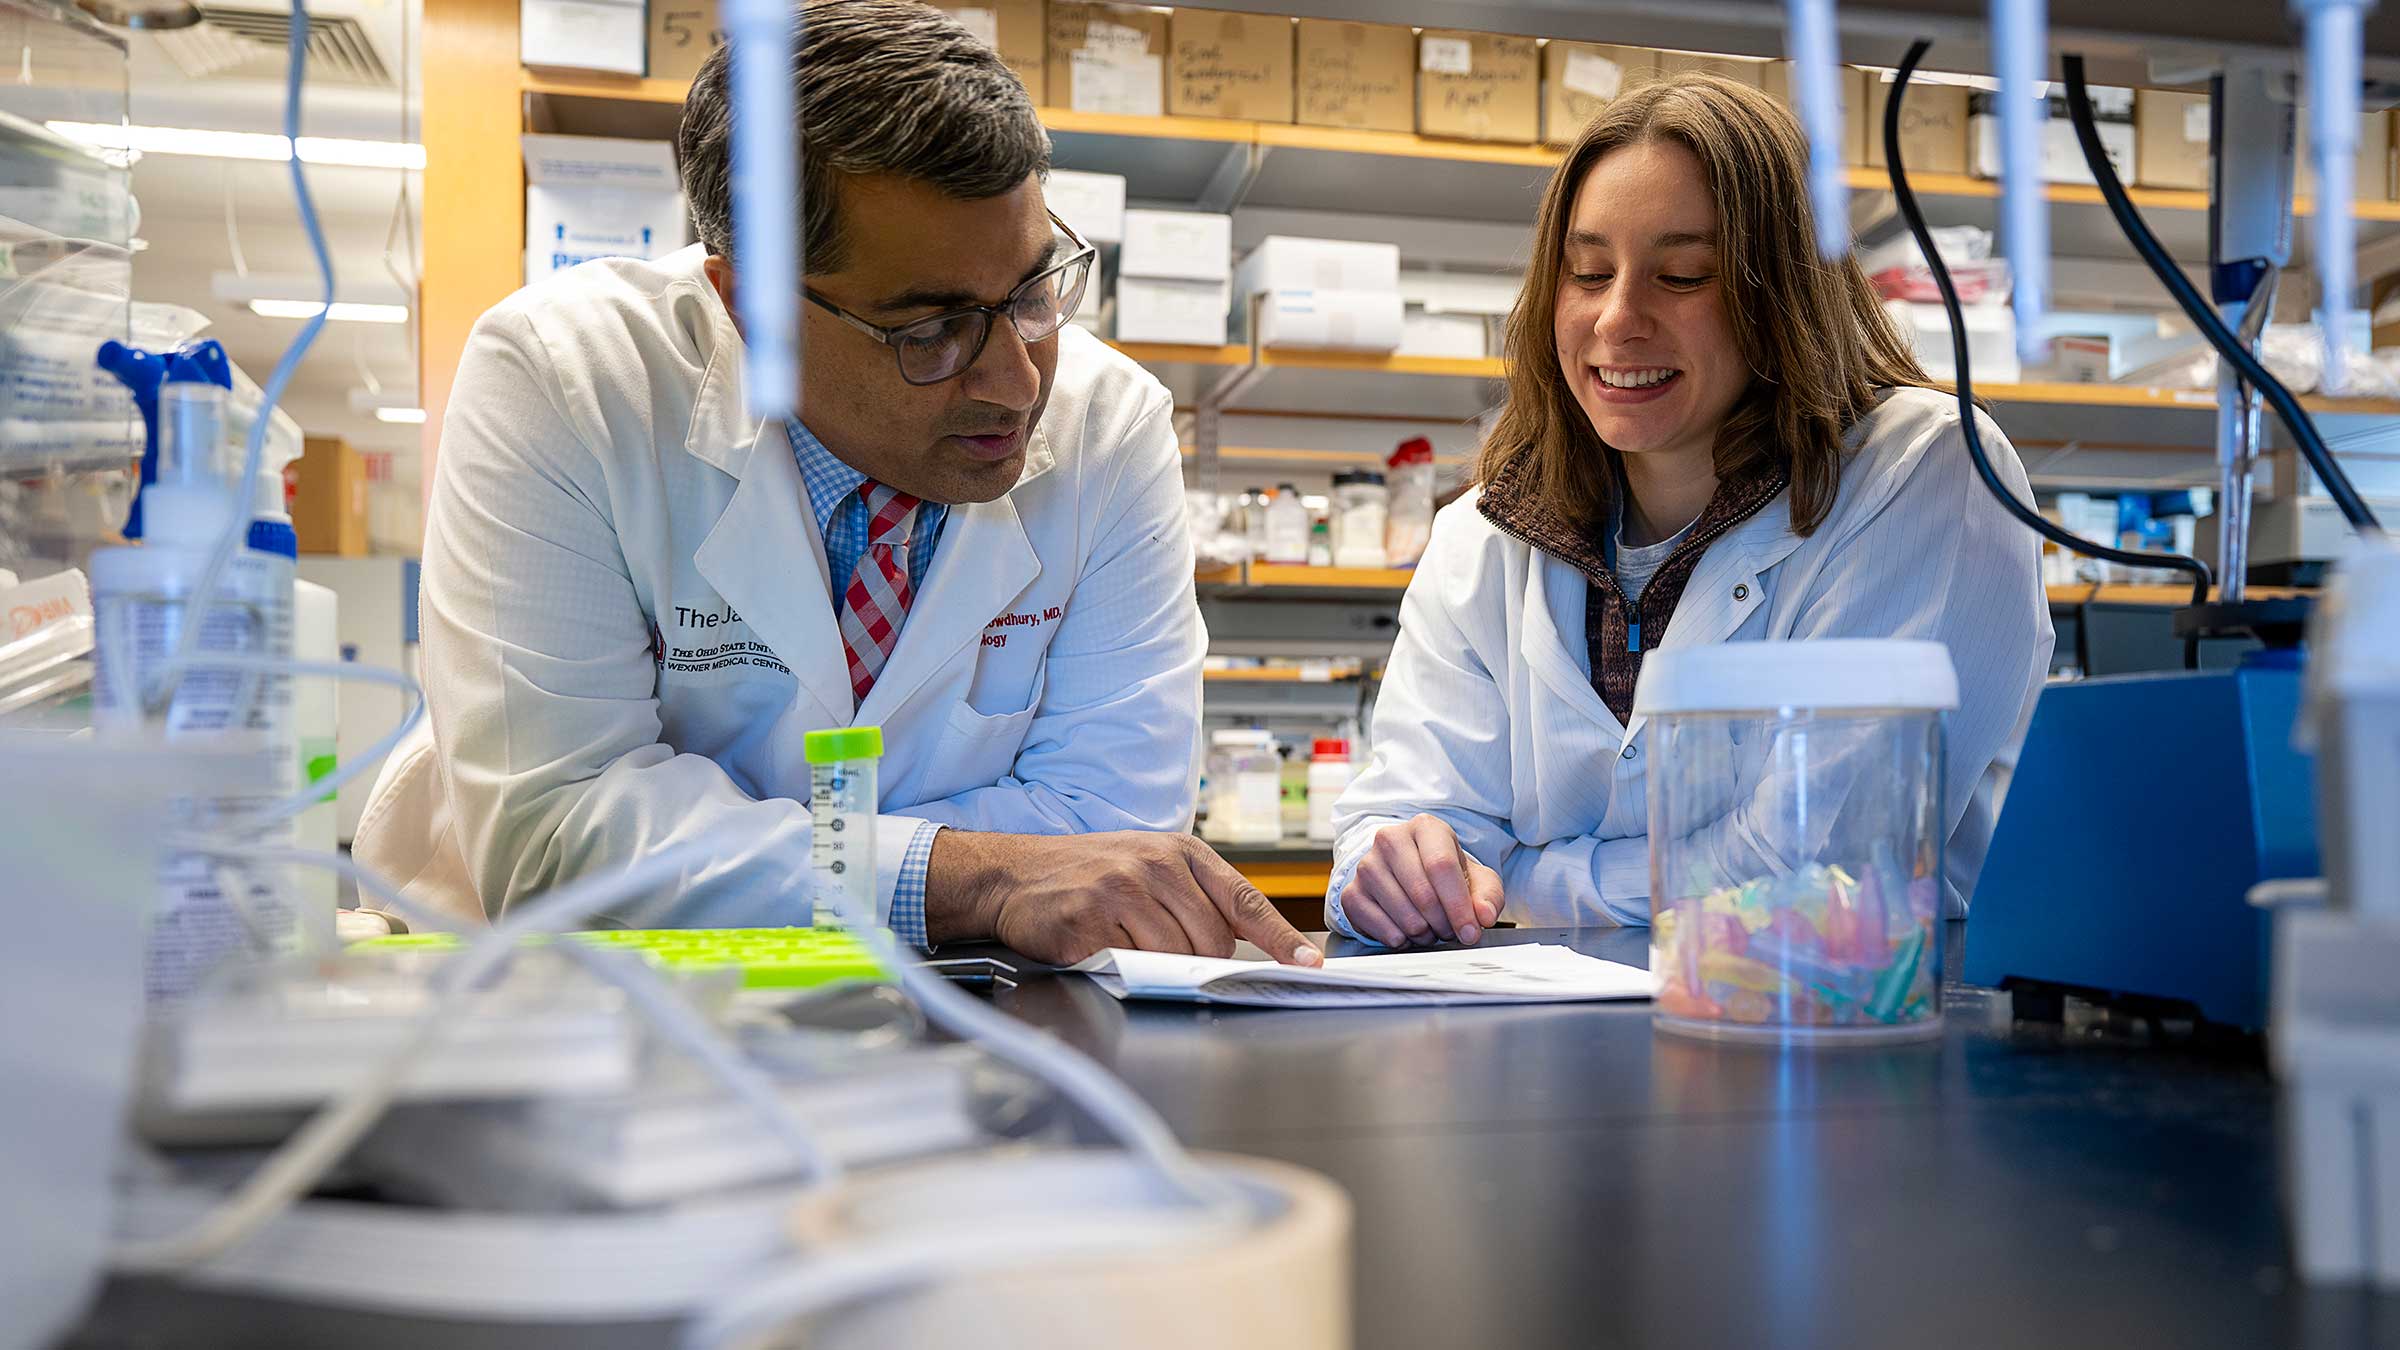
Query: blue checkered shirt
[{"x": 842, "y": 521}]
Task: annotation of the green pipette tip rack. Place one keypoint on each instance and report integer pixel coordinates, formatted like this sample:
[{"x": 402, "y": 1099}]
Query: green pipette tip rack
[{"x": 769, "y": 958}]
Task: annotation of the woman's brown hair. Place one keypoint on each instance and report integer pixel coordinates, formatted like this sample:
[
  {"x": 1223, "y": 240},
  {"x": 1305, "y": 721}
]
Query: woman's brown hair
[{"x": 1814, "y": 335}]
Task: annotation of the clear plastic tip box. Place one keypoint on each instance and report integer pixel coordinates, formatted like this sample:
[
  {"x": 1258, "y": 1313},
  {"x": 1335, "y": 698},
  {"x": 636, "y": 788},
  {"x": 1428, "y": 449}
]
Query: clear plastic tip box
[{"x": 1796, "y": 836}]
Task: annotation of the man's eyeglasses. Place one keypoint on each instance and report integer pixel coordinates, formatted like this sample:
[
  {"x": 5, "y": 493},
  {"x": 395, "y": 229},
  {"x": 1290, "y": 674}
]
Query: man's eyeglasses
[{"x": 939, "y": 348}]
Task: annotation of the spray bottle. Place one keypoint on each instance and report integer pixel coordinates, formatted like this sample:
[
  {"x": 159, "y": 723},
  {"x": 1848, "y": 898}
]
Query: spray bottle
[{"x": 142, "y": 597}]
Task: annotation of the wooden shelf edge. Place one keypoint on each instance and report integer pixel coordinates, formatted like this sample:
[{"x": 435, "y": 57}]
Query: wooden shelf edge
[
  {"x": 1342, "y": 674},
  {"x": 598, "y": 84},
  {"x": 2169, "y": 597},
  {"x": 1407, "y": 145}
]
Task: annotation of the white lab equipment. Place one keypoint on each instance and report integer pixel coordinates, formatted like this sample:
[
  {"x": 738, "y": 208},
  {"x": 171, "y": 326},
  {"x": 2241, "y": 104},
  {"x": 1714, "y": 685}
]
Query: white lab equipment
[
  {"x": 143, "y": 601},
  {"x": 1810, "y": 40},
  {"x": 2335, "y": 1029},
  {"x": 1796, "y": 830},
  {"x": 70, "y": 996},
  {"x": 761, "y": 35},
  {"x": 2021, "y": 53},
  {"x": 2332, "y": 41},
  {"x": 1245, "y": 788},
  {"x": 841, "y": 809},
  {"x": 316, "y": 736}
]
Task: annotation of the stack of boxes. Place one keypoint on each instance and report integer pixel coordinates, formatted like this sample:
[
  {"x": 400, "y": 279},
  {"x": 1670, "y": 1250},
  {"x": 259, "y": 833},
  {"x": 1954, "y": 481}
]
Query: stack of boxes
[
  {"x": 1323, "y": 293},
  {"x": 1174, "y": 277},
  {"x": 1092, "y": 205}
]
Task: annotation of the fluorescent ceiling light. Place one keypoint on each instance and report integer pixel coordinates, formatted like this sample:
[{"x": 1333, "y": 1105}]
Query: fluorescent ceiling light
[
  {"x": 331, "y": 151},
  {"x": 343, "y": 311},
  {"x": 405, "y": 416}
]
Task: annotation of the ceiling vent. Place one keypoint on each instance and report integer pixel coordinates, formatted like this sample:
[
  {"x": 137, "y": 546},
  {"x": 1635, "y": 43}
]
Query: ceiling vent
[{"x": 231, "y": 43}]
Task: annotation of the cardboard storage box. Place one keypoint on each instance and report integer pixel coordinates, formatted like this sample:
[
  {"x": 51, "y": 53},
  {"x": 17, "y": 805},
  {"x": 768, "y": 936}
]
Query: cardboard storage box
[
  {"x": 1459, "y": 336},
  {"x": 592, "y": 197},
  {"x": 682, "y": 34},
  {"x": 1369, "y": 321},
  {"x": 1014, "y": 28},
  {"x": 2062, "y": 153},
  {"x": 2374, "y": 158},
  {"x": 1092, "y": 204},
  {"x": 1741, "y": 70},
  {"x": 1107, "y": 58},
  {"x": 607, "y": 35},
  {"x": 1183, "y": 245},
  {"x": 329, "y": 497},
  {"x": 1159, "y": 309},
  {"x": 1479, "y": 86},
  {"x": 1933, "y": 124},
  {"x": 1776, "y": 79},
  {"x": 1362, "y": 76},
  {"x": 1230, "y": 65},
  {"x": 2170, "y": 139},
  {"x": 1283, "y": 262},
  {"x": 1581, "y": 78}
]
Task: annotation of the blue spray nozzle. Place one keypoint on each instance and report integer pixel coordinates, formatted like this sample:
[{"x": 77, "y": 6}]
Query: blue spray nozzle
[{"x": 144, "y": 372}]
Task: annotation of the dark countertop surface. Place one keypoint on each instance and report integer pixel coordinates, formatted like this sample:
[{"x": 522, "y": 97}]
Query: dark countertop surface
[{"x": 1562, "y": 1175}]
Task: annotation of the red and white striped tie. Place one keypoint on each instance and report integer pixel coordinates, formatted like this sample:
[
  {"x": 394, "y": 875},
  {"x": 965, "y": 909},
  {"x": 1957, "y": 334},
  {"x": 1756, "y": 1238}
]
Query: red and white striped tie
[{"x": 876, "y": 601}]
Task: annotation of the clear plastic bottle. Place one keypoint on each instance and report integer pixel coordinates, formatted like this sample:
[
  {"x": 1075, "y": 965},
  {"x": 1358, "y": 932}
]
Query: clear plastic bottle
[
  {"x": 1287, "y": 526},
  {"x": 1254, "y": 521},
  {"x": 142, "y": 599},
  {"x": 1329, "y": 771},
  {"x": 842, "y": 803},
  {"x": 1408, "y": 524},
  {"x": 1245, "y": 788}
]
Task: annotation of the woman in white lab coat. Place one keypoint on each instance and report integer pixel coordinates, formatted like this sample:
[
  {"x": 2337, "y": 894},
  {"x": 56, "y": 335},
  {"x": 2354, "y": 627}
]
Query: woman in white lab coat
[{"x": 1710, "y": 436}]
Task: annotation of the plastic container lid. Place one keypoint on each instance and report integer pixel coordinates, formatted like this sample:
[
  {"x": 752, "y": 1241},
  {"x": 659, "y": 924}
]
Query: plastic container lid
[
  {"x": 1243, "y": 737},
  {"x": 1416, "y": 450},
  {"x": 837, "y": 744},
  {"x": 1356, "y": 477},
  {"x": 1736, "y": 677},
  {"x": 1330, "y": 747}
]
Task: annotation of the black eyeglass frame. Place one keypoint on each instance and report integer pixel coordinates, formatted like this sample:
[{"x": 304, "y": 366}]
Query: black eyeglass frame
[{"x": 1084, "y": 255}]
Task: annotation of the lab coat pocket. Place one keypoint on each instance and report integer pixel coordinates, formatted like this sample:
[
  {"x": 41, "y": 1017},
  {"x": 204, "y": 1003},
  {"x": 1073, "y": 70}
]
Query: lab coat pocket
[{"x": 978, "y": 748}]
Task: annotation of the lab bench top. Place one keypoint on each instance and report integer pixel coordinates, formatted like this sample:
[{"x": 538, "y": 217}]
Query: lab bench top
[{"x": 1562, "y": 1175}]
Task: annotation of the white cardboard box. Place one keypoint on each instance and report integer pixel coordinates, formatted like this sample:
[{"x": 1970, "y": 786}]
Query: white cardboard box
[
  {"x": 2062, "y": 153},
  {"x": 1155, "y": 309},
  {"x": 1991, "y": 340},
  {"x": 1368, "y": 321},
  {"x": 1092, "y": 204},
  {"x": 592, "y": 197},
  {"x": 610, "y": 35},
  {"x": 1283, "y": 262},
  {"x": 1454, "y": 335},
  {"x": 1172, "y": 245}
]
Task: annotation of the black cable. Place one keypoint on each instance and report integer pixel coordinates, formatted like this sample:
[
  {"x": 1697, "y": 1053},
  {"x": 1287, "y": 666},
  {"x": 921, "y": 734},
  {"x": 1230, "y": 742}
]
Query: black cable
[
  {"x": 2211, "y": 325},
  {"x": 2025, "y": 515}
]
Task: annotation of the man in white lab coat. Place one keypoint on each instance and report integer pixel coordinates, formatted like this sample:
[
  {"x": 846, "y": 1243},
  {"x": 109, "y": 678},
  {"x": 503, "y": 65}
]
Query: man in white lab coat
[{"x": 638, "y": 599}]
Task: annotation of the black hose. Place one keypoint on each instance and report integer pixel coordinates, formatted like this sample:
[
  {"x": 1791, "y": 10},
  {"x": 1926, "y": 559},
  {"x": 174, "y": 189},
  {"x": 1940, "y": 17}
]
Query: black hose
[
  {"x": 2025, "y": 515},
  {"x": 2204, "y": 315}
]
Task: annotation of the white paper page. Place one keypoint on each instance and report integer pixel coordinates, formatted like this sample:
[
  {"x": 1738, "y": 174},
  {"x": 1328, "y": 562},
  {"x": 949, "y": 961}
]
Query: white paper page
[{"x": 1508, "y": 974}]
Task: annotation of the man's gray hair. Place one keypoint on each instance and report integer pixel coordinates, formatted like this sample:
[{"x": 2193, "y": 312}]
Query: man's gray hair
[{"x": 884, "y": 86}]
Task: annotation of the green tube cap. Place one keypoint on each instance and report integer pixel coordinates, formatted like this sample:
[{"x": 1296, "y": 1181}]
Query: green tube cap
[{"x": 838, "y": 744}]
